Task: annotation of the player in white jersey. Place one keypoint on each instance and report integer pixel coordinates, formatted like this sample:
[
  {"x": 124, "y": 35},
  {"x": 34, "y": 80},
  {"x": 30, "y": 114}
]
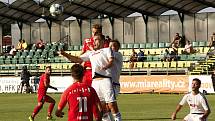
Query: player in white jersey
[
  {"x": 199, "y": 108},
  {"x": 117, "y": 65},
  {"x": 101, "y": 60}
]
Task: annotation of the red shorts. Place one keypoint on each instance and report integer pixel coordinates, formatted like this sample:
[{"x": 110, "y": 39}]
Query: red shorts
[
  {"x": 87, "y": 79},
  {"x": 43, "y": 98}
]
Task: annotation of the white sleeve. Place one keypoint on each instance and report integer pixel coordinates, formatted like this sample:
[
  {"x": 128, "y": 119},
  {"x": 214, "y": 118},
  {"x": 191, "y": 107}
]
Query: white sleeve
[
  {"x": 109, "y": 53},
  {"x": 184, "y": 99},
  {"x": 86, "y": 56},
  {"x": 204, "y": 103}
]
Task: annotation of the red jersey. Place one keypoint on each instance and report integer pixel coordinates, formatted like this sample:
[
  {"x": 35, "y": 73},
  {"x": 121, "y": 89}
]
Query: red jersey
[
  {"x": 42, "y": 89},
  {"x": 81, "y": 99},
  {"x": 106, "y": 43},
  {"x": 88, "y": 42}
]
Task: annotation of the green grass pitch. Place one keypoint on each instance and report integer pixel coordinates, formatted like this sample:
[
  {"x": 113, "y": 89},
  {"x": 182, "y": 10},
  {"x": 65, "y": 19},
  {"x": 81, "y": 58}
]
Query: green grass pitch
[{"x": 134, "y": 107}]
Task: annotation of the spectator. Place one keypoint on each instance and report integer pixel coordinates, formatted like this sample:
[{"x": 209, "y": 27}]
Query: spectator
[
  {"x": 24, "y": 45},
  {"x": 166, "y": 56},
  {"x": 12, "y": 51},
  {"x": 173, "y": 56},
  {"x": 133, "y": 58},
  {"x": 188, "y": 48},
  {"x": 19, "y": 45},
  {"x": 40, "y": 44},
  {"x": 176, "y": 42},
  {"x": 25, "y": 77},
  {"x": 212, "y": 40},
  {"x": 140, "y": 56}
]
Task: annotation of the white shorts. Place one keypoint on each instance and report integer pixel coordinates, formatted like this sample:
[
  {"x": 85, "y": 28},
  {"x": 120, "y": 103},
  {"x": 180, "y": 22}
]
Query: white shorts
[
  {"x": 193, "y": 117},
  {"x": 104, "y": 89}
]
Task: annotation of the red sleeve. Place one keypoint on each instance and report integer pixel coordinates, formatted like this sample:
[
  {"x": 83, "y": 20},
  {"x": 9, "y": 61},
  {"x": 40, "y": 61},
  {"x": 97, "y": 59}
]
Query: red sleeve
[
  {"x": 84, "y": 48},
  {"x": 63, "y": 100}
]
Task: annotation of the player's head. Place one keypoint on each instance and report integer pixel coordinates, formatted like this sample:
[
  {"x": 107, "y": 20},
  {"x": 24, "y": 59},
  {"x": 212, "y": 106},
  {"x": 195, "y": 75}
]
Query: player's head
[
  {"x": 98, "y": 41},
  {"x": 77, "y": 72},
  {"x": 114, "y": 45},
  {"x": 96, "y": 28},
  {"x": 48, "y": 70},
  {"x": 196, "y": 84}
]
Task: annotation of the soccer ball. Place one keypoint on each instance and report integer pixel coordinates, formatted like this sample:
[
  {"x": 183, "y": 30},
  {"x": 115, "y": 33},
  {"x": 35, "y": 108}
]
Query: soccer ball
[{"x": 56, "y": 9}]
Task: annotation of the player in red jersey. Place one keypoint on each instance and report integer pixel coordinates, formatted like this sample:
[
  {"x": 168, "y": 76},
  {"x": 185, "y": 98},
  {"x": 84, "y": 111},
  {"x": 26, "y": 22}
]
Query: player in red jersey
[
  {"x": 42, "y": 96},
  {"x": 88, "y": 46},
  {"x": 81, "y": 99}
]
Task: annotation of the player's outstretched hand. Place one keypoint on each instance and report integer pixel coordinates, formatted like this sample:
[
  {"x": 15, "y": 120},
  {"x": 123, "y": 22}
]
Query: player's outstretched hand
[
  {"x": 59, "y": 113},
  {"x": 173, "y": 117}
]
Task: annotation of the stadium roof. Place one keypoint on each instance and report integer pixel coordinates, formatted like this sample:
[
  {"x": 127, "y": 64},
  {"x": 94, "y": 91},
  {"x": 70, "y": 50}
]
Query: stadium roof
[{"x": 29, "y": 11}]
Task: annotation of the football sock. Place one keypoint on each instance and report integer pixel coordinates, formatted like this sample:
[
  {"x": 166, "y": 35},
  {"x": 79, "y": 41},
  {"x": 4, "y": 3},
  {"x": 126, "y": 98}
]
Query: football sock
[
  {"x": 36, "y": 110},
  {"x": 51, "y": 107},
  {"x": 117, "y": 117}
]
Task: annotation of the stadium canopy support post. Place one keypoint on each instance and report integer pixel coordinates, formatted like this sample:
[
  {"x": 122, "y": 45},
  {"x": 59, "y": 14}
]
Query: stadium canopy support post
[
  {"x": 145, "y": 18},
  {"x": 80, "y": 25},
  {"x": 111, "y": 19},
  {"x": 20, "y": 25},
  {"x": 181, "y": 17},
  {"x": 49, "y": 23}
]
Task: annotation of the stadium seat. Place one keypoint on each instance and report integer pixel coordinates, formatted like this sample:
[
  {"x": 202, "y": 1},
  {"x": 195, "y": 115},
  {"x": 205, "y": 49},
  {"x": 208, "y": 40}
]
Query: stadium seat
[
  {"x": 71, "y": 47},
  {"x": 161, "y": 45},
  {"x": 21, "y": 60},
  {"x": 159, "y": 64},
  {"x": 149, "y": 58},
  {"x": 76, "y": 47},
  {"x": 136, "y": 45},
  {"x": 154, "y": 45},
  {"x": 124, "y": 46},
  {"x": 130, "y": 45},
  {"x": 173, "y": 64},
  {"x": 142, "y": 45},
  {"x": 195, "y": 44},
  {"x": 139, "y": 64},
  {"x": 181, "y": 64},
  {"x": 156, "y": 58},
  {"x": 202, "y": 44},
  {"x": 167, "y": 45},
  {"x": 148, "y": 45},
  {"x": 31, "y": 53},
  {"x": 28, "y": 60},
  {"x": 14, "y": 61},
  {"x": 146, "y": 64},
  {"x": 183, "y": 57}
]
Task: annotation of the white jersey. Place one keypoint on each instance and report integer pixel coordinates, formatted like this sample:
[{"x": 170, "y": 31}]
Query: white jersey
[
  {"x": 117, "y": 67},
  {"x": 99, "y": 59},
  {"x": 197, "y": 103}
]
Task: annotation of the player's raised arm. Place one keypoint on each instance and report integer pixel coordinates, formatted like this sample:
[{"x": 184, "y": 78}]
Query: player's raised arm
[
  {"x": 71, "y": 57},
  {"x": 178, "y": 108}
]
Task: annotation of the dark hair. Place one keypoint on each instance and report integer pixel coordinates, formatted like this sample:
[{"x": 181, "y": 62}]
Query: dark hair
[
  {"x": 198, "y": 80},
  {"x": 98, "y": 27},
  {"x": 77, "y": 71},
  {"x": 48, "y": 67},
  {"x": 101, "y": 36},
  {"x": 117, "y": 42}
]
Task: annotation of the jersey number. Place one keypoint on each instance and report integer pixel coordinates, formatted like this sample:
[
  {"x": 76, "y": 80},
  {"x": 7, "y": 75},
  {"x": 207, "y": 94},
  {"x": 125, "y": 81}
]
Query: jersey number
[{"x": 82, "y": 104}]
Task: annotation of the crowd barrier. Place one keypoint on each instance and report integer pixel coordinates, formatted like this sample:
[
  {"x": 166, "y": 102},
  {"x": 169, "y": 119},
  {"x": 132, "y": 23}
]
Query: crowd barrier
[{"x": 129, "y": 84}]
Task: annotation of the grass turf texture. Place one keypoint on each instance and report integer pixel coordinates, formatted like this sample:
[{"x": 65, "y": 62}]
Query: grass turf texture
[{"x": 134, "y": 107}]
